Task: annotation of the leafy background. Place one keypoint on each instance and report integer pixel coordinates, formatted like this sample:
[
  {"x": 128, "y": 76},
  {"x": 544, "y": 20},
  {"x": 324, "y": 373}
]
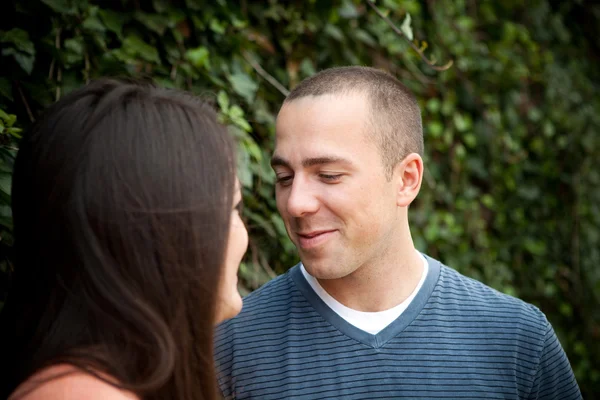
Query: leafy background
[{"x": 511, "y": 194}]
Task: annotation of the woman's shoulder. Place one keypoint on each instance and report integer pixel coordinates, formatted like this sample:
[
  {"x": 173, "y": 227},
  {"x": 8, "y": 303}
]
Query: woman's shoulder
[{"x": 66, "y": 382}]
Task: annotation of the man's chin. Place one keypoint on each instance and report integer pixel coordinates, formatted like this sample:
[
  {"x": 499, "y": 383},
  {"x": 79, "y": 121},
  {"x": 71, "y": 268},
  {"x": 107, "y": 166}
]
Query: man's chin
[{"x": 323, "y": 270}]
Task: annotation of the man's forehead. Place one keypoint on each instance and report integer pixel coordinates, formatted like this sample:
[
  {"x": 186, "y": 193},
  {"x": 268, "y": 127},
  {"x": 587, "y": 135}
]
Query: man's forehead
[
  {"x": 325, "y": 129},
  {"x": 321, "y": 112}
]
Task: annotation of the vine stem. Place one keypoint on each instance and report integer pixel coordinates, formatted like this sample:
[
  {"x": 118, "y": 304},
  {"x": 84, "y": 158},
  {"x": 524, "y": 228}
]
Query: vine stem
[
  {"x": 429, "y": 62},
  {"x": 269, "y": 78}
]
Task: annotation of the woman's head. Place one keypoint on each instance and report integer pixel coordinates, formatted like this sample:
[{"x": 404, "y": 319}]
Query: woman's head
[{"x": 123, "y": 205}]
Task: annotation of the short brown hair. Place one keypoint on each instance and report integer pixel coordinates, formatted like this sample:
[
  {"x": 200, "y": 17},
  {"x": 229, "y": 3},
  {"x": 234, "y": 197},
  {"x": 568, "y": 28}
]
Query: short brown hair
[{"x": 395, "y": 117}]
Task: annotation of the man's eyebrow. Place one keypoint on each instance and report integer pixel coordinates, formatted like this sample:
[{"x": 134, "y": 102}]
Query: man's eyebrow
[
  {"x": 278, "y": 161},
  {"x": 310, "y": 162}
]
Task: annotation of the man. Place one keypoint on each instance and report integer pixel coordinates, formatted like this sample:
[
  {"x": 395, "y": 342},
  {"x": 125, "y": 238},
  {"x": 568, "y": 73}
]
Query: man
[{"x": 365, "y": 315}]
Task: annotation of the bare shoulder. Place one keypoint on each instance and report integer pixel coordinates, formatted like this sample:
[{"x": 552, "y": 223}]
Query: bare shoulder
[{"x": 66, "y": 382}]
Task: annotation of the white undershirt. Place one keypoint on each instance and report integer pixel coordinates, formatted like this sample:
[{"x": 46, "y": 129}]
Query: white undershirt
[{"x": 371, "y": 322}]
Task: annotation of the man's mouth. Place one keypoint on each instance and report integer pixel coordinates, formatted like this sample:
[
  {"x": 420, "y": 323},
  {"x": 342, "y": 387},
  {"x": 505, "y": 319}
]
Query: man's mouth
[{"x": 312, "y": 239}]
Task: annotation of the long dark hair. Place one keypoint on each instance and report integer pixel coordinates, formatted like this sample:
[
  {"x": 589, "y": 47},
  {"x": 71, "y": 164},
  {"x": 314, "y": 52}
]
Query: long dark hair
[{"x": 122, "y": 197}]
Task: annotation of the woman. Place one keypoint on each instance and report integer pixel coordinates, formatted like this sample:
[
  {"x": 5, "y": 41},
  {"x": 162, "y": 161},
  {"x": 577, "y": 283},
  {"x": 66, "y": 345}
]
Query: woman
[{"x": 127, "y": 244}]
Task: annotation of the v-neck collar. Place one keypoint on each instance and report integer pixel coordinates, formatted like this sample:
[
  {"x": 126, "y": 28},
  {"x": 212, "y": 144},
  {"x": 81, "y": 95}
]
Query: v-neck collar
[{"x": 390, "y": 331}]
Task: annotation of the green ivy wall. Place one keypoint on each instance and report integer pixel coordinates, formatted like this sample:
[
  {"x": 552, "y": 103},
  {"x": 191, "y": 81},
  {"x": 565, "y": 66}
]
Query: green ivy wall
[{"x": 512, "y": 188}]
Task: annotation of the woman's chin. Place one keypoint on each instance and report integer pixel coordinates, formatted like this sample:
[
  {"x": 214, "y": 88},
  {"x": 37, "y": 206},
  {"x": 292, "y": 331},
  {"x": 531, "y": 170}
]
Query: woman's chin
[{"x": 230, "y": 308}]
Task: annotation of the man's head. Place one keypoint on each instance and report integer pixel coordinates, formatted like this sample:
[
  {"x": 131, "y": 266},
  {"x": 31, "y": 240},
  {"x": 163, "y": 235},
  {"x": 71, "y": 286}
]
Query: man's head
[
  {"x": 348, "y": 165},
  {"x": 394, "y": 120}
]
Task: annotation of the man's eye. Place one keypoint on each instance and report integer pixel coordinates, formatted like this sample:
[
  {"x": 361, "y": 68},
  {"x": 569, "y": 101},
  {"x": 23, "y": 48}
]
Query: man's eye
[
  {"x": 330, "y": 178},
  {"x": 284, "y": 180}
]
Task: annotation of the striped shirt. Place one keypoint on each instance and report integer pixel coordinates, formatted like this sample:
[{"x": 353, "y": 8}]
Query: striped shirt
[{"x": 458, "y": 339}]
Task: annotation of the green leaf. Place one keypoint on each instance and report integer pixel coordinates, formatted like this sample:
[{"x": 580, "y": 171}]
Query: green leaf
[
  {"x": 236, "y": 112},
  {"x": 198, "y": 23},
  {"x": 334, "y": 32},
  {"x": 5, "y": 183},
  {"x": 406, "y": 27},
  {"x": 20, "y": 40},
  {"x": 199, "y": 57},
  {"x": 9, "y": 119},
  {"x": 25, "y": 61},
  {"x": 253, "y": 149},
  {"x": 175, "y": 16},
  {"x": 566, "y": 309},
  {"x": 62, "y": 6},
  {"x": 154, "y": 22},
  {"x": 435, "y": 129},
  {"x": 465, "y": 23},
  {"x": 160, "y": 5},
  {"x": 238, "y": 23},
  {"x": 548, "y": 129},
  {"x": 364, "y": 37},
  {"x": 93, "y": 24},
  {"x": 243, "y": 168},
  {"x": 236, "y": 115},
  {"x": 70, "y": 81},
  {"x": 461, "y": 122},
  {"x": 135, "y": 46},
  {"x": 75, "y": 50},
  {"x": 223, "y": 101},
  {"x": 307, "y": 67},
  {"x": 6, "y": 219},
  {"x": 242, "y": 123},
  {"x": 460, "y": 151},
  {"x": 15, "y": 132},
  {"x": 448, "y": 105},
  {"x": 278, "y": 223},
  {"x": 6, "y": 89},
  {"x": 348, "y": 10},
  {"x": 488, "y": 201},
  {"x": 244, "y": 86},
  {"x": 237, "y": 133},
  {"x": 3, "y": 115},
  {"x": 195, "y": 4},
  {"x": 470, "y": 140},
  {"x": 433, "y": 105},
  {"x": 535, "y": 247},
  {"x": 75, "y": 45},
  {"x": 113, "y": 21},
  {"x": 217, "y": 26}
]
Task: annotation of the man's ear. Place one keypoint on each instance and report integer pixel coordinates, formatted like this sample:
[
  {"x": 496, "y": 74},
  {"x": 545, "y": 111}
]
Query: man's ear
[{"x": 408, "y": 175}]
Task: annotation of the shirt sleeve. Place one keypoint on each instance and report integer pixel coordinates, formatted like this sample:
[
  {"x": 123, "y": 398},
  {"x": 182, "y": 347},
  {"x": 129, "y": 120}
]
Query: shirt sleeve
[{"x": 554, "y": 379}]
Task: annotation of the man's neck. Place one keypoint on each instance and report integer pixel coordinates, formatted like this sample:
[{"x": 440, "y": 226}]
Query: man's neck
[{"x": 380, "y": 285}]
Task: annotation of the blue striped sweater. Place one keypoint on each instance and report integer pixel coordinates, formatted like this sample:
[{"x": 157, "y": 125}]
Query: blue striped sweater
[{"x": 458, "y": 339}]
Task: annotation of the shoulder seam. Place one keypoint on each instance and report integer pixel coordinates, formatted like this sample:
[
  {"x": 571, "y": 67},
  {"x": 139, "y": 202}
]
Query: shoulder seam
[{"x": 544, "y": 339}]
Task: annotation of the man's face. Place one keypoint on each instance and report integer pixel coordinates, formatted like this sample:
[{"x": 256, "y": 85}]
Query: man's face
[{"x": 338, "y": 207}]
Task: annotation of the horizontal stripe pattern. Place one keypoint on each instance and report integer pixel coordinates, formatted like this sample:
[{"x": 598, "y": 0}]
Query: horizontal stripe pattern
[{"x": 466, "y": 341}]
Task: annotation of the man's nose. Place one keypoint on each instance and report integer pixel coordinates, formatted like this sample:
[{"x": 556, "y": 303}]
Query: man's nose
[{"x": 302, "y": 199}]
